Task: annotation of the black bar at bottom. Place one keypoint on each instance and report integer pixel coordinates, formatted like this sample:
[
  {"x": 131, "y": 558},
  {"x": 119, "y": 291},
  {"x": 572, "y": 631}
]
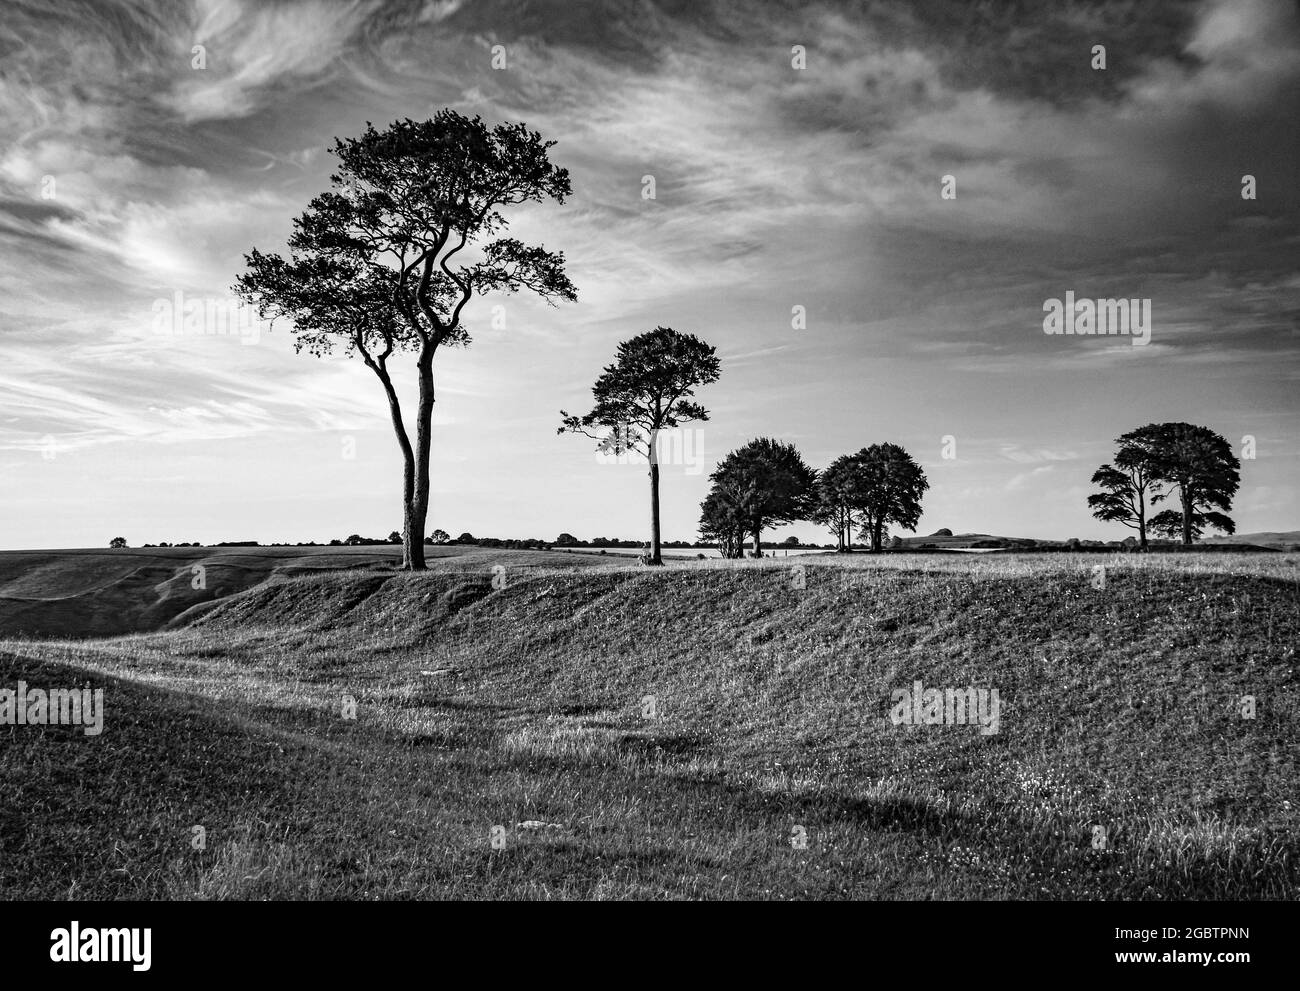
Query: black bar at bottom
[{"x": 1222, "y": 941}]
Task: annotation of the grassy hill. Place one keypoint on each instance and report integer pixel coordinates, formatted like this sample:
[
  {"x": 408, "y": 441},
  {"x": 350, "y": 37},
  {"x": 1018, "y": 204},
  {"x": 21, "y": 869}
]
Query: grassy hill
[
  {"x": 1285, "y": 540},
  {"x": 667, "y": 733},
  {"x": 98, "y": 592}
]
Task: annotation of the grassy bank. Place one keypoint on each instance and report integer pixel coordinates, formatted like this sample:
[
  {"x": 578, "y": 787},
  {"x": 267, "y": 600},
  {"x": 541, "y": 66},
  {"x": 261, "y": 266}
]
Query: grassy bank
[
  {"x": 99, "y": 592},
  {"x": 668, "y": 732}
]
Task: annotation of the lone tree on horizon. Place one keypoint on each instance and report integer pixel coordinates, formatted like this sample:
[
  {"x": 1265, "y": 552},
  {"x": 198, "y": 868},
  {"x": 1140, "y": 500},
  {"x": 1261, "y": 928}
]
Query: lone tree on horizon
[
  {"x": 373, "y": 266},
  {"x": 648, "y": 389}
]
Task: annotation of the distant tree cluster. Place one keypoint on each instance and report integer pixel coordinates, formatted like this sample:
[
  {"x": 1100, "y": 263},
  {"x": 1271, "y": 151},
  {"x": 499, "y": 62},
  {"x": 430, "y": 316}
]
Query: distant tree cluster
[
  {"x": 569, "y": 540},
  {"x": 118, "y": 542},
  {"x": 757, "y": 486},
  {"x": 767, "y": 482},
  {"x": 441, "y": 538},
  {"x": 511, "y": 543},
  {"x": 879, "y": 485},
  {"x": 356, "y": 540},
  {"x": 1164, "y": 460}
]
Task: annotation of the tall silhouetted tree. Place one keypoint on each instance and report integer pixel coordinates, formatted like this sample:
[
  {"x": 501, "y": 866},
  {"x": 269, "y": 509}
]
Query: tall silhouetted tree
[
  {"x": 647, "y": 389},
  {"x": 1130, "y": 484},
  {"x": 767, "y": 482},
  {"x": 1201, "y": 467},
  {"x": 375, "y": 264},
  {"x": 888, "y": 490}
]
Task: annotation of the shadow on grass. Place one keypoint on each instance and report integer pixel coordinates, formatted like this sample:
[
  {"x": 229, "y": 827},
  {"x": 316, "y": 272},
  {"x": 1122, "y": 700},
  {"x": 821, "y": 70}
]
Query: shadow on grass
[{"x": 355, "y": 808}]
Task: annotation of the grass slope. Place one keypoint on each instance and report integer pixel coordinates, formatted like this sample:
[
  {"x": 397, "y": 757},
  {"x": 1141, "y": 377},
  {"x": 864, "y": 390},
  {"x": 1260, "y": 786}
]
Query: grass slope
[
  {"x": 1120, "y": 710},
  {"x": 107, "y": 592}
]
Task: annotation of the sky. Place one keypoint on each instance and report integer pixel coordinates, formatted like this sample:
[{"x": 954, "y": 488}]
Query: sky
[{"x": 145, "y": 147}]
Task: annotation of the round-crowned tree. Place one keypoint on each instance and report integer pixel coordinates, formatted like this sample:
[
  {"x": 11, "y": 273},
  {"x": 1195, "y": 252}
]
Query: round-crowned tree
[
  {"x": 764, "y": 483},
  {"x": 649, "y": 388}
]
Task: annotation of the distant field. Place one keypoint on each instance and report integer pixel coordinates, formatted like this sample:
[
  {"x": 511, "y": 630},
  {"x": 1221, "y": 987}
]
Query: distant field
[{"x": 667, "y": 733}]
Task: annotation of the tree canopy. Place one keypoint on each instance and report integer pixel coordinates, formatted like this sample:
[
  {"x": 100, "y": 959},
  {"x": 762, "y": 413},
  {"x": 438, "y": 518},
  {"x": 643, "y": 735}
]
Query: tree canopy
[
  {"x": 1163, "y": 460},
  {"x": 889, "y": 486},
  {"x": 878, "y": 485},
  {"x": 837, "y": 498},
  {"x": 766, "y": 482},
  {"x": 648, "y": 388},
  {"x": 1130, "y": 485},
  {"x": 723, "y": 520}
]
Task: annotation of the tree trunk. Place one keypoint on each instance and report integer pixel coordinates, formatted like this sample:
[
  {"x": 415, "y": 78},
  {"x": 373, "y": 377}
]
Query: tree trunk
[
  {"x": 654, "y": 557},
  {"x": 875, "y": 535},
  {"x": 417, "y": 505},
  {"x": 412, "y": 524},
  {"x": 758, "y": 542},
  {"x": 1187, "y": 516},
  {"x": 409, "y": 473},
  {"x": 1142, "y": 520}
]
